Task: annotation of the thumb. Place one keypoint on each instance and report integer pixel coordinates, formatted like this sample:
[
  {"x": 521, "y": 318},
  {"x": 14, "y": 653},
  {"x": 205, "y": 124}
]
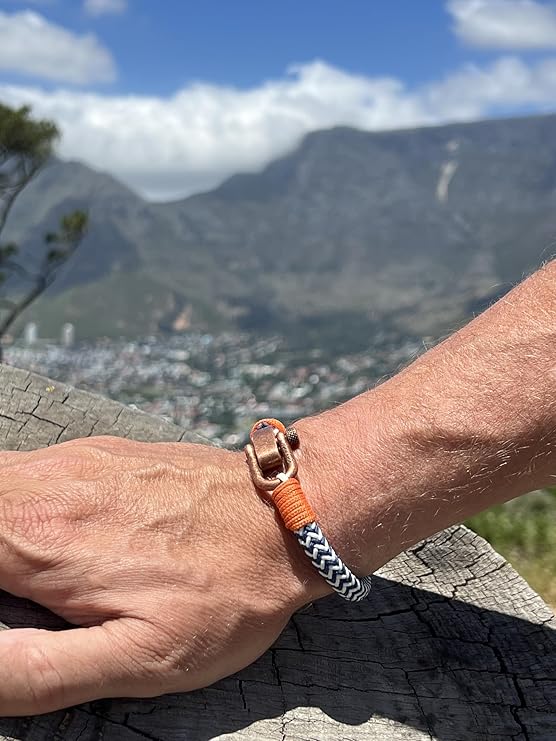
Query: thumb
[{"x": 43, "y": 670}]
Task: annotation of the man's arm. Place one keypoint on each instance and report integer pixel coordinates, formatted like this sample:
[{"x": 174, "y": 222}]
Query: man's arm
[
  {"x": 469, "y": 424},
  {"x": 174, "y": 570}
]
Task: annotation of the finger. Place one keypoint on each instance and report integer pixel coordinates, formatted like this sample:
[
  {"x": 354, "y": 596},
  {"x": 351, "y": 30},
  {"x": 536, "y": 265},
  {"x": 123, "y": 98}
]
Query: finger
[{"x": 44, "y": 671}]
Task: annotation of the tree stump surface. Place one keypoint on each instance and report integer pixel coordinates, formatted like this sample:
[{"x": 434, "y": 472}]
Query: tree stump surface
[{"x": 452, "y": 645}]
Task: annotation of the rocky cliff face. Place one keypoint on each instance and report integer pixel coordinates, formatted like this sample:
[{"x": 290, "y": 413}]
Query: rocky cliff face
[{"x": 414, "y": 229}]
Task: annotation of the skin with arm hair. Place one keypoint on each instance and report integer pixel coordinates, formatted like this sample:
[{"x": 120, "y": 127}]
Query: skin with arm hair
[
  {"x": 469, "y": 424},
  {"x": 176, "y": 573}
]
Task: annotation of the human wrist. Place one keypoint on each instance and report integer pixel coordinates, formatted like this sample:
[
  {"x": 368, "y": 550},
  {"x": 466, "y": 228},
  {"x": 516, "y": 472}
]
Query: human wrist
[
  {"x": 386, "y": 470},
  {"x": 291, "y": 575},
  {"x": 345, "y": 497}
]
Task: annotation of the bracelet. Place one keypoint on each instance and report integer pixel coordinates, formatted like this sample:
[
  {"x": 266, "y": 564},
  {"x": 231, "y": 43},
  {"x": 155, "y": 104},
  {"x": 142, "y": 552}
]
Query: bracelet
[{"x": 273, "y": 468}]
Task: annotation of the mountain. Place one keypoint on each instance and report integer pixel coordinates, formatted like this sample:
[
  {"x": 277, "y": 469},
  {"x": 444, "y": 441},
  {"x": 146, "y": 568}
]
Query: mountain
[{"x": 415, "y": 229}]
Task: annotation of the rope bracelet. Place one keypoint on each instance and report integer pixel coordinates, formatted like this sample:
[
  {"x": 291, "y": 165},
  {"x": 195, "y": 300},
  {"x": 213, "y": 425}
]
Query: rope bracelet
[{"x": 273, "y": 469}]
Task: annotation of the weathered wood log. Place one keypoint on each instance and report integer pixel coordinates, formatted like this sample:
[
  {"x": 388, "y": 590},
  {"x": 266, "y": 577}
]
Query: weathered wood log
[{"x": 453, "y": 644}]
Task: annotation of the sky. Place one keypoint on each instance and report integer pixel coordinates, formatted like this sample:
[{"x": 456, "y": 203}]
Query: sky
[{"x": 172, "y": 97}]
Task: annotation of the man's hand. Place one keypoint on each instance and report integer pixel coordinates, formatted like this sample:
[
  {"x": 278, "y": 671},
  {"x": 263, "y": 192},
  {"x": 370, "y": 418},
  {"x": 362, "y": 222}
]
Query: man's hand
[{"x": 166, "y": 557}]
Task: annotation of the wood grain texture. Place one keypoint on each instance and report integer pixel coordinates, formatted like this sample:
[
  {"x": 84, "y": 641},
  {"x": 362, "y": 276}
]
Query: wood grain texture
[{"x": 453, "y": 644}]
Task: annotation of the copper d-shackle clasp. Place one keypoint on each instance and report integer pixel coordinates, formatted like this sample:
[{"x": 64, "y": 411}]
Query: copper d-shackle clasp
[{"x": 269, "y": 453}]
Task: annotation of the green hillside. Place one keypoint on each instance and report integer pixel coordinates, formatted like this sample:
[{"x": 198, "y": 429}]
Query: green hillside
[{"x": 524, "y": 532}]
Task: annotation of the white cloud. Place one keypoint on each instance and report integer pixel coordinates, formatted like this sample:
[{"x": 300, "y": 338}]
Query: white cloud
[
  {"x": 167, "y": 147},
  {"x": 506, "y": 85},
  {"x": 504, "y": 24},
  {"x": 105, "y": 7},
  {"x": 31, "y": 45}
]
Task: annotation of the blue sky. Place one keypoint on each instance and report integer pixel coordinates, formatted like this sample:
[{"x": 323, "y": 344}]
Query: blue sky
[
  {"x": 245, "y": 42},
  {"x": 174, "y": 96}
]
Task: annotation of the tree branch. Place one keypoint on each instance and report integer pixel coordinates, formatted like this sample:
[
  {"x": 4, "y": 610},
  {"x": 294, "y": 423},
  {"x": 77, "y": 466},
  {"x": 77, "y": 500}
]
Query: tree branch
[
  {"x": 73, "y": 228},
  {"x": 15, "y": 267},
  {"x": 25, "y": 146},
  {"x": 9, "y": 200},
  {"x": 20, "y": 307}
]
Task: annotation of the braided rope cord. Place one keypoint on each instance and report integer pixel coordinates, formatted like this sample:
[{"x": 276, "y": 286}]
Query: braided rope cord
[
  {"x": 299, "y": 517},
  {"x": 330, "y": 566}
]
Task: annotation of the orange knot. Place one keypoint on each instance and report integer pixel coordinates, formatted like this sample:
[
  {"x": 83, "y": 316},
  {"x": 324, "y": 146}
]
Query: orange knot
[
  {"x": 292, "y": 504},
  {"x": 270, "y": 422}
]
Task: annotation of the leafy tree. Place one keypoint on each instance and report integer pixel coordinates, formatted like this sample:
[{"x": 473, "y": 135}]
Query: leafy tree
[{"x": 25, "y": 146}]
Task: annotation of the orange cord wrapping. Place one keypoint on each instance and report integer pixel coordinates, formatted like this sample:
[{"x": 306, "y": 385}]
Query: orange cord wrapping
[
  {"x": 291, "y": 503},
  {"x": 270, "y": 421}
]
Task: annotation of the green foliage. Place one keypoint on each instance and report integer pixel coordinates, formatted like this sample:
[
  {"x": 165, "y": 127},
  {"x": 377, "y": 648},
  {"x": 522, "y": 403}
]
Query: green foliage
[
  {"x": 25, "y": 137},
  {"x": 524, "y": 532},
  {"x": 8, "y": 250},
  {"x": 70, "y": 232},
  {"x": 25, "y": 146}
]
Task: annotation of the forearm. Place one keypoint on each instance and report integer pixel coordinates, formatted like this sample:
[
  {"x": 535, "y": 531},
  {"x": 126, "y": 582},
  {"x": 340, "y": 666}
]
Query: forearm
[{"x": 469, "y": 424}]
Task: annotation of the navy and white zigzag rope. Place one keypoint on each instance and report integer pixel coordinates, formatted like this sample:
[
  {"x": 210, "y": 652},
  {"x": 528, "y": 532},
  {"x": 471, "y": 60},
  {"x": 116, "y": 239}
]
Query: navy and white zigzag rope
[{"x": 330, "y": 566}]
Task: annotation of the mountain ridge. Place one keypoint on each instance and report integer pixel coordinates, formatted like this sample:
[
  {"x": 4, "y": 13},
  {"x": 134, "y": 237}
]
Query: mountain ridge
[{"x": 412, "y": 229}]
